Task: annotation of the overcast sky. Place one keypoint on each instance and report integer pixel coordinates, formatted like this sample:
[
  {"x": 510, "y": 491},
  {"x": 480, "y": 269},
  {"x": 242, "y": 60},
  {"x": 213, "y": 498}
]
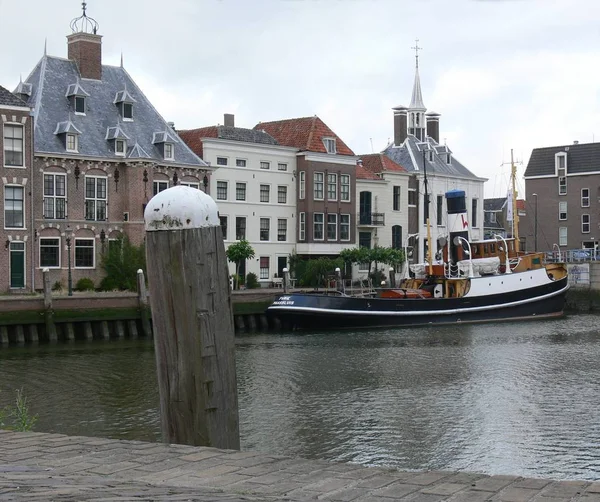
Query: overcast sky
[{"x": 503, "y": 74}]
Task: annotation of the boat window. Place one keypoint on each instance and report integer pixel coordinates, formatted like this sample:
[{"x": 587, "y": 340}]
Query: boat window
[{"x": 485, "y": 249}]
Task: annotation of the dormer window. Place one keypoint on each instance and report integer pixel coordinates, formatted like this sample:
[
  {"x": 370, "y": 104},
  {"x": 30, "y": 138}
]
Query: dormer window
[
  {"x": 430, "y": 155},
  {"x": 120, "y": 147},
  {"x": 79, "y": 105},
  {"x": 448, "y": 158},
  {"x": 329, "y": 145},
  {"x": 72, "y": 143},
  {"x": 127, "y": 111},
  {"x": 169, "y": 151}
]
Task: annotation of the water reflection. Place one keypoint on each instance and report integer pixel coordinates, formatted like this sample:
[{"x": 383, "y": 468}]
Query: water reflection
[{"x": 507, "y": 398}]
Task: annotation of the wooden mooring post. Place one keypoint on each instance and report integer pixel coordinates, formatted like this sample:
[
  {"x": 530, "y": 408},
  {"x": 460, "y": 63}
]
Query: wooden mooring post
[
  {"x": 192, "y": 319},
  {"x": 48, "y": 312}
]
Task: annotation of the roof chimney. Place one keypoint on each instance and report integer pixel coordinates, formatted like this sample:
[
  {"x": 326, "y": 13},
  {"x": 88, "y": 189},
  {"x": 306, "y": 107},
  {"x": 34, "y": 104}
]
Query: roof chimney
[
  {"x": 576, "y": 142},
  {"x": 400, "y": 124},
  {"x": 433, "y": 125},
  {"x": 229, "y": 120},
  {"x": 85, "y": 46}
]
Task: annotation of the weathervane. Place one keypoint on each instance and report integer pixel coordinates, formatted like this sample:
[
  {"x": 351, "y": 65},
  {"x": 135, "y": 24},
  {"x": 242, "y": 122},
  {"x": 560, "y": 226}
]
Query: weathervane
[
  {"x": 416, "y": 48},
  {"x": 84, "y": 23}
]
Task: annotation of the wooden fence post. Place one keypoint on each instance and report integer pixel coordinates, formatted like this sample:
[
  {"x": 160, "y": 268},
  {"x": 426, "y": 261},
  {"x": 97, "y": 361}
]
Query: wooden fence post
[
  {"x": 192, "y": 319},
  {"x": 392, "y": 277}
]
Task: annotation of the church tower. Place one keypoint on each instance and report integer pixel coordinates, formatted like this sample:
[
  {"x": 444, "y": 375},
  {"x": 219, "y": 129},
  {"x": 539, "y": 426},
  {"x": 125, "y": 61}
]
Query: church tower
[{"x": 416, "y": 110}]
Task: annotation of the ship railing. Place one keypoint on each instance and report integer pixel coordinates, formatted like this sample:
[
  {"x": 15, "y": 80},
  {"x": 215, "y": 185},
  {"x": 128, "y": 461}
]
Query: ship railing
[{"x": 451, "y": 270}]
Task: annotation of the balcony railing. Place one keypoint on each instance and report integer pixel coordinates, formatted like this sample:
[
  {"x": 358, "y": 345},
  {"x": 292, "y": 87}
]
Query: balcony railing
[{"x": 371, "y": 219}]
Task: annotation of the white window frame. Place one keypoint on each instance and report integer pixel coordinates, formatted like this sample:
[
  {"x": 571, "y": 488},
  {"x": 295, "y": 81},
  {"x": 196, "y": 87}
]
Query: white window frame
[
  {"x": 562, "y": 210},
  {"x": 5, "y": 143},
  {"x": 281, "y": 192},
  {"x": 191, "y": 184},
  {"x": 225, "y": 228},
  {"x": 169, "y": 151},
  {"x": 562, "y": 236},
  {"x": 55, "y": 198},
  {"x": 332, "y": 181},
  {"x": 302, "y": 227},
  {"x": 157, "y": 184},
  {"x": 265, "y": 164},
  {"x": 345, "y": 188},
  {"x": 77, "y": 99},
  {"x": 95, "y": 198},
  {"x": 241, "y": 163},
  {"x": 59, "y": 257},
  {"x": 261, "y": 270},
  {"x": 238, "y": 186},
  {"x": 23, "y": 226},
  {"x": 414, "y": 192},
  {"x": 279, "y": 229},
  {"x": 317, "y": 183},
  {"x": 302, "y": 183},
  {"x": 585, "y": 199},
  {"x": 260, "y": 229},
  {"x": 75, "y": 138},
  {"x": 221, "y": 182},
  {"x": 87, "y": 239},
  {"x": 123, "y": 144},
  {"x": 282, "y": 166},
  {"x": 237, "y": 235},
  {"x": 557, "y": 163},
  {"x": 335, "y": 226},
  {"x": 396, "y": 207},
  {"x": 585, "y": 224},
  {"x": 264, "y": 194},
  {"x": 221, "y": 159},
  {"x": 342, "y": 217},
  {"x": 322, "y": 223},
  {"x": 330, "y": 145}
]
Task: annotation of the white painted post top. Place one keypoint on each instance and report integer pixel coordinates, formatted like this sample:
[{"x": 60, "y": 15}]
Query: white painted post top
[{"x": 179, "y": 208}]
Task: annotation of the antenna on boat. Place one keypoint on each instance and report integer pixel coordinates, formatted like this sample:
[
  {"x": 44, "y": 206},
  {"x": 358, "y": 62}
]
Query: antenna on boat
[{"x": 513, "y": 202}]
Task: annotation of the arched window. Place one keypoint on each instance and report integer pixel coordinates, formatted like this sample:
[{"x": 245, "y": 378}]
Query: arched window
[{"x": 397, "y": 237}]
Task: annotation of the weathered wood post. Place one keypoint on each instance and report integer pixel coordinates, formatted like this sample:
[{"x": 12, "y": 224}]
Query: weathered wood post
[
  {"x": 392, "y": 277},
  {"x": 49, "y": 322},
  {"x": 192, "y": 319},
  {"x": 338, "y": 279},
  {"x": 143, "y": 304},
  {"x": 286, "y": 280}
]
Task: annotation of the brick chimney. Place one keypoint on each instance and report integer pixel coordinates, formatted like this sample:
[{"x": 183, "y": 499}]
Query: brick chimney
[
  {"x": 86, "y": 50},
  {"x": 433, "y": 125},
  {"x": 229, "y": 120},
  {"x": 400, "y": 124}
]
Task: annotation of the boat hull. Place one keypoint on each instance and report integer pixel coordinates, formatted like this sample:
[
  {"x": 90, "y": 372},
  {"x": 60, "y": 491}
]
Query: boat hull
[{"x": 322, "y": 311}]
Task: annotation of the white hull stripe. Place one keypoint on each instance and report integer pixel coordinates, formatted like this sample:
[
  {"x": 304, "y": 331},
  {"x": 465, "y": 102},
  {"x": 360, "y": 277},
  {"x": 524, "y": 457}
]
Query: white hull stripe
[{"x": 420, "y": 312}]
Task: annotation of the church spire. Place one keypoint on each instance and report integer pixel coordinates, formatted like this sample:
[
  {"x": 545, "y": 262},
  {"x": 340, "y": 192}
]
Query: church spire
[{"x": 416, "y": 102}]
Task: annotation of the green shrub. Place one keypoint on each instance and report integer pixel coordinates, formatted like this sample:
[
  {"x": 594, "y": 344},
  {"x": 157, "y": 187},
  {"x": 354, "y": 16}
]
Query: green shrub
[
  {"x": 57, "y": 286},
  {"x": 85, "y": 284},
  {"x": 252, "y": 281},
  {"x": 21, "y": 419},
  {"x": 121, "y": 264}
]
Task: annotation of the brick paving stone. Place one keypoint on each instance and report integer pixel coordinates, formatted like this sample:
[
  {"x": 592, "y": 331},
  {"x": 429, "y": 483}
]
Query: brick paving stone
[
  {"x": 377, "y": 481},
  {"x": 346, "y": 495},
  {"x": 217, "y": 470},
  {"x": 444, "y": 488},
  {"x": 330, "y": 484},
  {"x": 471, "y": 496},
  {"x": 589, "y": 497},
  {"x": 542, "y": 498},
  {"x": 533, "y": 483},
  {"x": 593, "y": 488},
  {"x": 274, "y": 477},
  {"x": 397, "y": 490},
  {"x": 426, "y": 478},
  {"x": 112, "y": 468},
  {"x": 201, "y": 455},
  {"x": 564, "y": 489},
  {"x": 493, "y": 483},
  {"x": 466, "y": 478},
  {"x": 513, "y": 494},
  {"x": 161, "y": 466},
  {"x": 424, "y": 497}
]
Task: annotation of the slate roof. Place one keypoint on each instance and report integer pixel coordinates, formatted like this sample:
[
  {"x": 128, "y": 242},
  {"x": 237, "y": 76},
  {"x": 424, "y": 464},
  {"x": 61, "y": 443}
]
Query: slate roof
[
  {"x": 305, "y": 133},
  {"x": 375, "y": 164},
  {"x": 581, "y": 158},
  {"x": 7, "y": 98},
  {"x": 53, "y": 78},
  {"x": 494, "y": 204},
  {"x": 193, "y": 137},
  {"x": 410, "y": 156}
]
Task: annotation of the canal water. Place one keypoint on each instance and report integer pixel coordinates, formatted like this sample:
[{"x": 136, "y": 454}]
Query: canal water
[{"x": 513, "y": 398}]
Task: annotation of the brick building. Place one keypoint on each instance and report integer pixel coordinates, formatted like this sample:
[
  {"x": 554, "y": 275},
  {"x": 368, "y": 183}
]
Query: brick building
[
  {"x": 101, "y": 151},
  {"x": 16, "y": 172}
]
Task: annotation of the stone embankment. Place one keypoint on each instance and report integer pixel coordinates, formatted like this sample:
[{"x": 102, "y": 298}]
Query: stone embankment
[{"x": 42, "y": 467}]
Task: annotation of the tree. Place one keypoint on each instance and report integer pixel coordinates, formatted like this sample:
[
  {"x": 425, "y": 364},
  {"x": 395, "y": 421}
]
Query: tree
[{"x": 237, "y": 253}]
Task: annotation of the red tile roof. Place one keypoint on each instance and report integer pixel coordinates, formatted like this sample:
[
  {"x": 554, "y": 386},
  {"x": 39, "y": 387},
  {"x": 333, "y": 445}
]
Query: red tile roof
[
  {"x": 364, "y": 174},
  {"x": 378, "y": 162},
  {"x": 304, "y": 133},
  {"x": 193, "y": 137}
]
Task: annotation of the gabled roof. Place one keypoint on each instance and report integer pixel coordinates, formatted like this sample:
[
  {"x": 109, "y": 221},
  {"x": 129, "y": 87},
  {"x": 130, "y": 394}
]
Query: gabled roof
[
  {"x": 193, "y": 137},
  {"x": 66, "y": 127},
  {"x": 362, "y": 173},
  {"x": 50, "y": 80},
  {"x": 581, "y": 158},
  {"x": 494, "y": 204},
  {"x": 379, "y": 163},
  {"x": 304, "y": 133},
  {"x": 7, "y": 98},
  {"x": 410, "y": 156},
  {"x": 76, "y": 90},
  {"x": 115, "y": 133}
]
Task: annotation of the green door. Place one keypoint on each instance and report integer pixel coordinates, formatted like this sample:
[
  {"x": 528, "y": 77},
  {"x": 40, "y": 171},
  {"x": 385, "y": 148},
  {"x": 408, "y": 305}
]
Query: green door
[{"x": 17, "y": 265}]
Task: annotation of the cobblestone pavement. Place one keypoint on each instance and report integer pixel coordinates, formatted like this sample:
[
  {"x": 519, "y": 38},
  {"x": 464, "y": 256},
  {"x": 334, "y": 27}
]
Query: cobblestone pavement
[{"x": 54, "y": 467}]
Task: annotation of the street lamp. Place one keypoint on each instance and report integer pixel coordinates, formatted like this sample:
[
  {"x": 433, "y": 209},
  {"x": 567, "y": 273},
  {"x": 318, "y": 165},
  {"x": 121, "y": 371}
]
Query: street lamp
[
  {"x": 68, "y": 233},
  {"x": 535, "y": 248}
]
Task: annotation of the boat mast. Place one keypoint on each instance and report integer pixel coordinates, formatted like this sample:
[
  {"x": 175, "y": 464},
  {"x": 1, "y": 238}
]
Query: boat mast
[{"x": 515, "y": 219}]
